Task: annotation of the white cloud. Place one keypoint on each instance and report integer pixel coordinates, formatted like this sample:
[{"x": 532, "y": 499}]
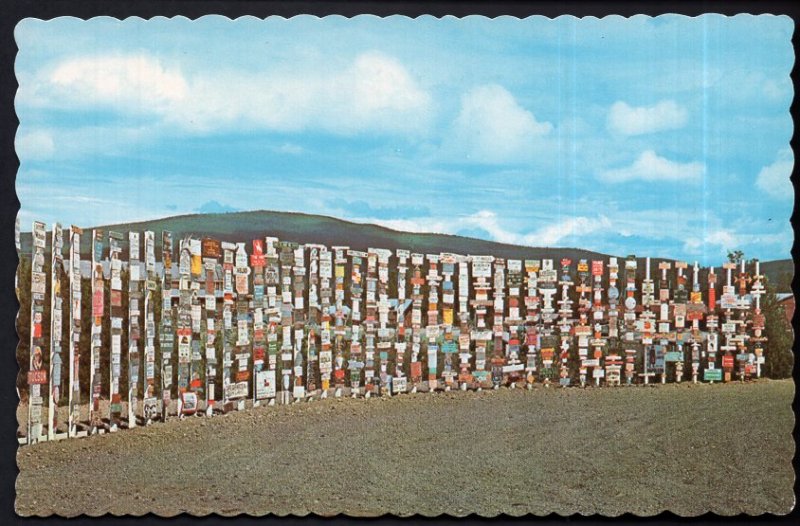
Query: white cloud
[
  {"x": 774, "y": 178},
  {"x": 651, "y": 167},
  {"x": 629, "y": 120},
  {"x": 373, "y": 93},
  {"x": 488, "y": 221},
  {"x": 723, "y": 239},
  {"x": 492, "y": 127},
  {"x": 570, "y": 227},
  {"x": 36, "y": 145},
  {"x": 133, "y": 82}
]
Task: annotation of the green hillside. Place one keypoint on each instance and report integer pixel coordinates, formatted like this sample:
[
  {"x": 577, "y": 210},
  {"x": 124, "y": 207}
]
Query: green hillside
[{"x": 307, "y": 228}]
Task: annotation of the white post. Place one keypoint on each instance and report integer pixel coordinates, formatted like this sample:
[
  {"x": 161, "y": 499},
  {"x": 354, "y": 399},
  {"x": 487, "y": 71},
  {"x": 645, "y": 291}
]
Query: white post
[
  {"x": 74, "y": 328},
  {"x": 35, "y": 370},
  {"x": 55, "y": 332}
]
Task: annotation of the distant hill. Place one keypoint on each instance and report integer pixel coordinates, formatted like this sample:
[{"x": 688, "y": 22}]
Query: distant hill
[{"x": 308, "y": 228}]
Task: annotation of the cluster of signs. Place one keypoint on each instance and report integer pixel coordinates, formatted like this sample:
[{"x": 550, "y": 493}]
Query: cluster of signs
[{"x": 292, "y": 321}]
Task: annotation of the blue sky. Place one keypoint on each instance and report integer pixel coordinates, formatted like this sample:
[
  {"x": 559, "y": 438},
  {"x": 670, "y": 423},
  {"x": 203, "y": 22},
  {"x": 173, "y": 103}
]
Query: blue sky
[{"x": 664, "y": 136}]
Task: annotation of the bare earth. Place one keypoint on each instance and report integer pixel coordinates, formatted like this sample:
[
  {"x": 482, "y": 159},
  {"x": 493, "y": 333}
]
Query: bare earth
[{"x": 685, "y": 448}]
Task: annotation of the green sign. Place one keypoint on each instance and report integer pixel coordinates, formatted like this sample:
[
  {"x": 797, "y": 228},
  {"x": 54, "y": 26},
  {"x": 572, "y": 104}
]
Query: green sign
[
  {"x": 712, "y": 375},
  {"x": 673, "y": 356}
]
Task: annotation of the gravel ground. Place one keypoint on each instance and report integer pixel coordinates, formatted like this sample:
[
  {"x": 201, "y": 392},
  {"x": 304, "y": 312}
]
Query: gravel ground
[{"x": 684, "y": 448}]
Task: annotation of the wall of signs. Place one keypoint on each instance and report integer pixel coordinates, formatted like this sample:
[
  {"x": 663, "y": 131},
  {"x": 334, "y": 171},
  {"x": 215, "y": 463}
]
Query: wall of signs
[{"x": 290, "y": 322}]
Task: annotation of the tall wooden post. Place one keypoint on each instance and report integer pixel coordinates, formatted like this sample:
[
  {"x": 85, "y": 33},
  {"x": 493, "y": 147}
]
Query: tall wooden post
[
  {"x": 134, "y": 326},
  {"x": 74, "y": 329},
  {"x": 98, "y": 308},
  {"x": 37, "y": 374},
  {"x": 167, "y": 331},
  {"x": 56, "y": 317}
]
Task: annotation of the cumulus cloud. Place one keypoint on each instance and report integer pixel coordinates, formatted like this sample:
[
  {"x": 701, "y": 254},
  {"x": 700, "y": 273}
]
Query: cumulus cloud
[
  {"x": 137, "y": 82},
  {"x": 547, "y": 235},
  {"x": 651, "y": 167},
  {"x": 374, "y": 92},
  {"x": 638, "y": 120},
  {"x": 570, "y": 227},
  {"x": 493, "y": 128},
  {"x": 36, "y": 145},
  {"x": 774, "y": 178},
  {"x": 720, "y": 241}
]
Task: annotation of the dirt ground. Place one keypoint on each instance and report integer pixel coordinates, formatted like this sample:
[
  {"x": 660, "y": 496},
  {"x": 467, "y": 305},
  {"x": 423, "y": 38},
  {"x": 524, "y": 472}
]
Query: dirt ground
[{"x": 685, "y": 448}]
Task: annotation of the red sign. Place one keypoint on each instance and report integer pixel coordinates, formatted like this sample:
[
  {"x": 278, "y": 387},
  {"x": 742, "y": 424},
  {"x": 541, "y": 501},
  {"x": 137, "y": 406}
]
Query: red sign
[
  {"x": 597, "y": 268},
  {"x": 416, "y": 369},
  {"x": 727, "y": 362},
  {"x": 97, "y": 304},
  {"x": 116, "y": 298},
  {"x": 242, "y": 376},
  {"x": 37, "y": 377}
]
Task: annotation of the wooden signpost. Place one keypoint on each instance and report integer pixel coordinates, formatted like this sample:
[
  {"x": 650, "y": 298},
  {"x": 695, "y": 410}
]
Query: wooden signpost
[
  {"x": 433, "y": 330},
  {"x": 166, "y": 333},
  {"x": 371, "y": 324},
  {"x": 498, "y": 309},
  {"x": 450, "y": 338},
  {"x": 211, "y": 250},
  {"x": 743, "y": 301},
  {"x": 267, "y": 379},
  {"x": 597, "y": 341},
  {"x": 582, "y": 329},
  {"x": 184, "y": 325},
  {"x": 149, "y": 400},
  {"x": 613, "y": 360},
  {"x": 399, "y": 380},
  {"x": 695, "y": 311},
  {"x": 644, "y": 327},
  {"x": 134, "y": 326},
  {"x": 728, "y": 303},
  {"x": 286, "y": 257},
  {"x": 655, "y": 355},
  {"x": 98, "y": 312},
  {"x": 116, "y": 312},
  {"x": 532, "y": 319},
  {"x": 679, "y": 306},
  {"x": 416, "y": 320},
  {"x": 74, "y": 330},
  {"x": 758, "y": 320},
  {"x": 37, "y": 374},
  {"x": 565, "y": 321},
  {"x": 313, "y": 323},
  {"x": 465, "y": 325},
  {"x": 228, "y": 381},
  {"x": 711, "y": 373},
  {"x": 196, "y": 367},
  {"x": 355, "y": 362},
  {"x": 481, "y": 333},
  {"x": 514, "y": 367},
  {"x": 385, "y": 332},
  {"x": 339, "y": 318},
  {"x": 56, "y": 320},
  {"x": 547, "y": 288},
  {"x": 326, "y": 332},
  {"x": 298, "y": 291}
]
